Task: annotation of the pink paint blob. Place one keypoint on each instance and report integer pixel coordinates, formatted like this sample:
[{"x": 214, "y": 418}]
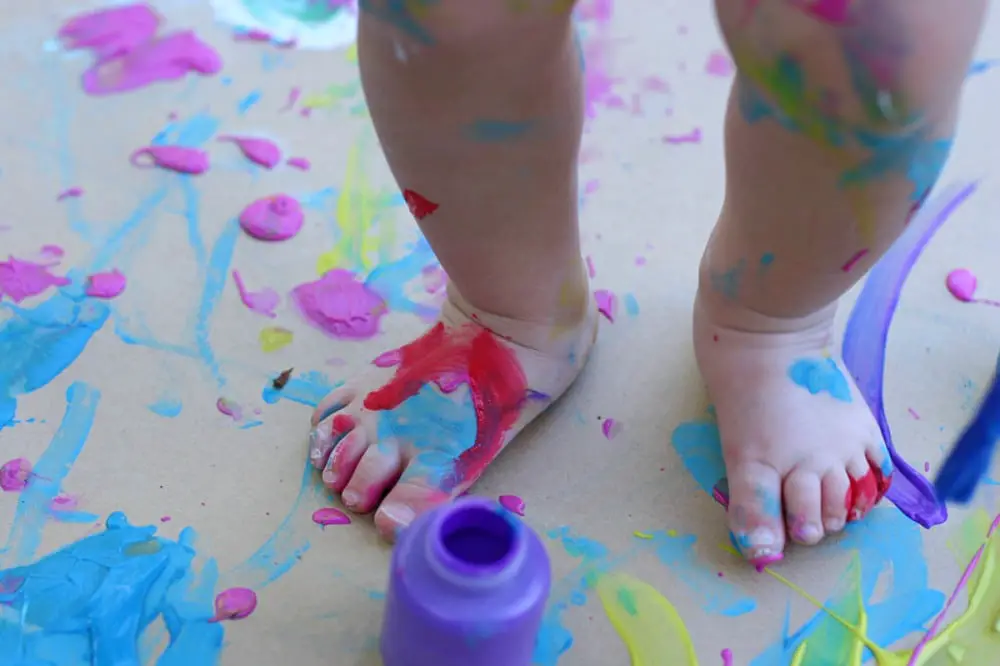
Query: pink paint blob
[
  {"x": 14, "y": 475},
  {"x": 252, "y": 35},
  {"x": 962, "y": 284},
  {"x": 300, "y": 163},
  {"x": 849, "y": 264},
  {"x": 694, "y": 136},
  {"x": 512, "y": 503},
  {"x": 727, "y": 657},
  {"x": 340, "y": 305},
  {"x": 610, "y": 428},
  {"x": 52, "y": 252},
  {"x": 262, "y": 302},
  {"x": 173, "y": 158},
  {"x": 274, "y": 218},
  {"x": 762, "y": 563},
  {"x": 262, "y": 152},
  {"x": 127, "y": 53},
  {"x": 229, "y": 408},
  {"x": 293, "y": 97},
  {"x": 105, "y": 285},
  {"x": 330, "y": 516},
  {"x": 165, "y": 519},
  {"x": 70, "y": 193},
  {"x": 23, "y": 279},
  {"x": 607, "y": 303},
  {"x": 927, "y": 466},
  {"x": 235, "y": 603},
  {"x": 719, "y": 64}
]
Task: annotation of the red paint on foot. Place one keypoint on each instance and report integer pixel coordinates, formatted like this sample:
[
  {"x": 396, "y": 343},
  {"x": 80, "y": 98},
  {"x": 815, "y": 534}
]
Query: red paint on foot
[
  {"x": 419, "y": 205},
  {"x": 342, "y": 423},
  {"x": 865, "y": 493},
  {"x": 495, "y": 378}
]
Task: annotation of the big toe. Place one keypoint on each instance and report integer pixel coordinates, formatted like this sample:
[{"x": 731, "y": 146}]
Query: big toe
[{"x": 755, "y": 512}]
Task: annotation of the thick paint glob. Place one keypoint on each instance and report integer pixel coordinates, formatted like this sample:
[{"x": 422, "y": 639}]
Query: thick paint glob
[
  {"x": 261, "y": 152},
  {"x": 330, "y": 516},
  {"x": 962, "y": 283},
  {"x": 181, "y": 159},
  {"x": 235, "y": 603},
  {"x": 14, "y": 475},
  {"x": 419, "y": 205},
  {"x": 273, "y": 218},
  {"x": 105, "y": 285},
  {"x": 512, "y": 503},
  {"x": 340, "y": 306},
  {"x": 20, "y": 280}
]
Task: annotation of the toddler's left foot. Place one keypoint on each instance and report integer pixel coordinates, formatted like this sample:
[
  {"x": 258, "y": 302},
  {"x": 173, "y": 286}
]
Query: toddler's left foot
[{"x": 803, "y": 453}]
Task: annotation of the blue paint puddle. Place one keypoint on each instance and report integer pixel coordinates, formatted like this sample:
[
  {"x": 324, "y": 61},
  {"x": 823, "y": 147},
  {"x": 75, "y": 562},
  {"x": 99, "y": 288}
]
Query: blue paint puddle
[{"x": 821, "y": 376}]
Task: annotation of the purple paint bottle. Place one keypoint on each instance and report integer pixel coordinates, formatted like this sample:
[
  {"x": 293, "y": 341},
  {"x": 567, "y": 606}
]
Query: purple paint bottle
[{"x": 468, "y": 584}]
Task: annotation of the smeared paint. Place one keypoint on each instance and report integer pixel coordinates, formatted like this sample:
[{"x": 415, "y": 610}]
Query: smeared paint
[
  {"x": 109, "y": 284},
  {"x": 694, "y": 136},
  {"x": 419, "y": 205},
  {"x": 20, "y": 280},
  {"x": 512, "y": 503},
  {"x": 166, "y": 407},
  {"x": 262, "y": 302},
  {"x": 719, "y": 64},
  {"x": 312, "y": 25},
  {"x": 262, "y": 152},
  {"x": 274, "y": 338},
  {"x": 70, "y": 193},
  {"x": 610, "y": 427},
  {"x": 229, "y": 408},
  {"x": 962, "y": 283},
  {"x": 607, "y": 304},
  {"x": 727, "y": 657},
  {"x": 248, "y": 102},
  {"x": 340, "y": 306},
  {"x": 820, "y": 376},
  {"x": 330, "y": 516},
  {"x": 631, "y": 305},
  {"x": 15, "y": 474},
  {"x": 855, "y": 258},
  {"x": 277, "y": 217},
  {"x": 181, "y": 159},
  {"x": 300, "y": 163}
]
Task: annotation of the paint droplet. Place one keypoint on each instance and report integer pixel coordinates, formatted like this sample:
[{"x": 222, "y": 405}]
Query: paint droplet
[
  {"x": 63, "y": 502},
  {"x": 607, "y": 303},
  {"x": 610, "y": 427},
  {"x": 262, "y": 152},
  {"x": 293, "y": 97},
  {"x": 164, "y": 519},
  {"x": 172, "y": 158},
  {"x": 23, "y": 279},
  {"x": 273, "y": 218},
  {"x": 927, "y": 466},
  {"x": 106, "y": 285},
  {"x": 590, "y": 267},
  {"x": 300, "y": 163},
  {"x": 849, "y": 264},
  {"x": 274, "y": 338},
  {"x": 913, "y": 413},
  {"x": 229, "y": 408},
  {"x": 330, "y": 516},
  {"x": 719, "y": 64},
  {"x": 694, "y": 136},
  {"x": 70, "y": 193},
  {"x": 727, "y": 657},
  {"x": 340, "y": 305},
  {"x": 642, "y": 535},
  {"x": 235, "y": 603},
  {"x": 419, "y": 205},
  {"x": 512, "y": 503},
  {"x": 962, "y": 284},
  {"x": 14, "y": 475}
]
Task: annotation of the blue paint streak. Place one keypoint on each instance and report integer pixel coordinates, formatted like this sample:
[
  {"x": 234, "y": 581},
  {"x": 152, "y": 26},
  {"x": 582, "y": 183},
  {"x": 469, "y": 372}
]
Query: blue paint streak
[
  {"x": 912, "y": 154},
  {"x": 820, "y": 376},
  {"x": 215, "y": 282},
  {"x": 166, "y": 407},
  {"x": 306, "y": 389},
  {"x": 389, "y": 280},
  {"x": 248, "y": 102},
  {"x": 50, "y": 469},
  {"x": 982, "y": 66},
  {"x": 493, "y": 131},
  {"x": 80, "y": 517},
  {"x": 631, "y": 305},
  {"x": 37, "y": 344}
]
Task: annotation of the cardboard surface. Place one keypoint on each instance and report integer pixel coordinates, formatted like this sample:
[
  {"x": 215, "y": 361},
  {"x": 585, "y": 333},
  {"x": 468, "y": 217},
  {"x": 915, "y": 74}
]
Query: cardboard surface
[{"x": 179, "y": 338}]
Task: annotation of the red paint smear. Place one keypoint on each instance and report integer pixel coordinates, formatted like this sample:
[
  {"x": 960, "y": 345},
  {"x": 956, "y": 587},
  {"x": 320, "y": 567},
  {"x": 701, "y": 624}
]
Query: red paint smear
[
  {"x": 865, "y": 493},
  {"x": 496, "y": 382},
  {"x": 419, "y": 205},
  {"x": 853, "y": 260},
  {"x": 342, "y": 423}
]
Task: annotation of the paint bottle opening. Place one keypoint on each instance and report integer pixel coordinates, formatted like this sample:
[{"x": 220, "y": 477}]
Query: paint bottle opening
[{"x": 477, "y": 540}]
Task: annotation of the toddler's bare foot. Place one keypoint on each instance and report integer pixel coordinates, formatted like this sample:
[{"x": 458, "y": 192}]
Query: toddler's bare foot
[
  {"x": 803, "y": 453},
  {"x": 421, "y": 427}
]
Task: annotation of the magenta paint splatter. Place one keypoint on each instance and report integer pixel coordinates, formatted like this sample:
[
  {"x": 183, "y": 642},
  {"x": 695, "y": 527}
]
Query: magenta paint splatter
[
  {"x": 165, "y": 519},
  {"x": 640, "y": 260},
  {"x": 849, "y": 264},
  {"x": 273, "y": 218},
  {"x": 300, "y": 163},
  {"x": 590, "y": 267},
  {"x": 262, "y": 152},
  {"x": 252, "y": 35},
  {"x": 694, "y": 136},
  {"x": 105, "y": 285},
  {"x": 23, "y": 279},
  {"x": 293, "y": 97},
  {"x": 262, "y": 302},
  {"x": 388, "y": 359},
  {"x": 962, "y": 284},
  {"x": 610, "y": 427},
  {"x": 63, "y": 502},
  {"x": 913, "y": 413},
  {"x": 719, "y": 64},
  {"x": 927, "y": 466},
  {"x": 229, "y": 408},
  {"x": 330, "y": 516},
  {"x": 172, "y": 158},
  {"x": 607, "y": 304},
  {"x": 727, "y": 657},
  {"x": 340, "y": 305},
  {"x": 512, "y": 503},
  {"x": 14, "y": 475},
  {"x": 235, "y": 603},
  {"x": 70, "y": 193},
  {"x": 127, "y": 52},
  {"x": 52, "y": 252}
]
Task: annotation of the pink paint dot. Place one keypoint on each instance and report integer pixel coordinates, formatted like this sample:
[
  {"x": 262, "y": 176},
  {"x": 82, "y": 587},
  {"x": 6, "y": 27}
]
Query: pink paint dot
[
  {"x": 70, "y": 193},
  {"x": 14, "y": 475},
  {"x": 165, "y": 519},
  {"x": 229, "y": 408},
  {"x": 63, "y": 502},
  {"x": 719, "y": 64},
  {"x": 512, "y": 503},
  {"x": 962, "y": 284},
  {"x": 607, "y": 303},
  {"x": 340, "y": 305},
  {"x": 235, "y": 603},
  {"x": 105, "y": 285},
  {"x": 299, "y": 163},
  {"x": 610, "y": 428},
  {"x": 330, "y": 516},
  {"x": 273, "y": 218}
]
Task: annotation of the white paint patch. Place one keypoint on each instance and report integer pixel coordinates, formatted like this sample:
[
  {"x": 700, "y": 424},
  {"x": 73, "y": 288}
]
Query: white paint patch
[{"x": 339, "y": 32}]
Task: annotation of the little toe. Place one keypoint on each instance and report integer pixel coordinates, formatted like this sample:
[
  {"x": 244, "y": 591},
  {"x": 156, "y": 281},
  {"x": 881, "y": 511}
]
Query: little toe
[
  {"x": 802, "y": 493},
  {"x": 378, "y": 469},
  {"x": 335, "y": 400},
  {"x": 836, "y": 486},
  {"x": 755, "y": 515},
  {"x": 407, "y": 500},
  {"x": 344, "y": 459}
]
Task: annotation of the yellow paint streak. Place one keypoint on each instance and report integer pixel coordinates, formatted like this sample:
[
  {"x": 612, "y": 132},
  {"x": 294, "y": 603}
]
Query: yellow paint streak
[
  {"x": 367, "y": 236},
  {"x": 352, "y": 53},
  {"x": 274, "y": 338},
  {"x": 642, "y": 535},
  {"x": 649, "y": 625}
]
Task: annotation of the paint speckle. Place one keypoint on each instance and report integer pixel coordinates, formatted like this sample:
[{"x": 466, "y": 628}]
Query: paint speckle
[
  {"x": 645, "y": 536},
  {"x": 610, "y": 427},
  {"x": 166, "y": 407},
  {"x": 300, "y": 163},
  {"x": 229, "y": 408},
  {"x": 913, "y": 413},
  {"x": 849, "y": 264},
  {"x": 262, "y": 302},
  {"x": 330, "y": 516},
  {"x": 274, "y": 338},
  {"x": 110, "y": 284},
  {"x": 340, "y": 305},
  {"x": 14, "y": 475},
  {"x": 70, "y": 193},
  {"x": 607, "y": 304},
  {"x": 962, "y": 284},
  {"x": 694, "y": 136},
  {"x": 631, "y": 305},
  {"x": 727, "y": 657},
  {"x": 235, "y": 603},
  {"x": 20, "y": 280},
  {"x": 420, "y": 206},
  {"x": 262, "y": 152},
  {"x": 512, "y": 503},
  {"x": 719, "y": 64}
]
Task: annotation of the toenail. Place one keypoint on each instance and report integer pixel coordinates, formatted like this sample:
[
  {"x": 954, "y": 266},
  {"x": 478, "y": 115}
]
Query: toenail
[
  {"x": 760, "y": 539},
  {"x": 834, "y": 525},
  {"x": 810, "y": 533},
  {"x": 398, "y": 514},
  {"x": 351, "y": 499},
  {"x": 329, "y": 477}
]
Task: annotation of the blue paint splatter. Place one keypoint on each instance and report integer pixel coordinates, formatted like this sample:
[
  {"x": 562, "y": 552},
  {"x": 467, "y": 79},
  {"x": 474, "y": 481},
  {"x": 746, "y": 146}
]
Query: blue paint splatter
[
  {"x": 389, "y": 280},
  {"x": 820, "y": 376},
  {"x": 248, "y": 102},
  {"x": 982, "y": 66},
  {"x": 306, "y": 389},
  {"x": 728, "y": 283},
  {"x": 766, "y": 259},
  {"x": 166, "y": 407},
  {"x": 631, "y": 305},
  {"x": 492, "y": 131},
  {"x": 912, "y": 154}
]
